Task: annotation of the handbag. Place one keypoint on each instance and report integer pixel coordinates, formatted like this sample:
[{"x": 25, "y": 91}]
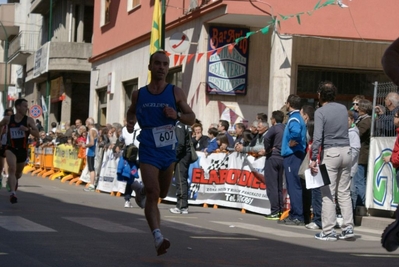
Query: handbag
[
  {"x": 193, "y": 153},
  {"x": 131, "y": 151}
]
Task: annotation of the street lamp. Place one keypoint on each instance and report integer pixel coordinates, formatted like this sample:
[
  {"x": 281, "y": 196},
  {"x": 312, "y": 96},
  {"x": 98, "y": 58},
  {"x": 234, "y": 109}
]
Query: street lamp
[{"x": 5, "y": 93}]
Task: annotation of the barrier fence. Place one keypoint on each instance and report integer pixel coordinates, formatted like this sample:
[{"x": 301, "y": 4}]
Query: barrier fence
[{"x": 219, "y": 179}]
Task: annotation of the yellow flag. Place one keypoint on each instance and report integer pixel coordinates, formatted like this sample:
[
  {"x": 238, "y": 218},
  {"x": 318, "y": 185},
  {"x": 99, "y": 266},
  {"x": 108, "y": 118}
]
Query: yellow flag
[{"x": 155, "y": 43}]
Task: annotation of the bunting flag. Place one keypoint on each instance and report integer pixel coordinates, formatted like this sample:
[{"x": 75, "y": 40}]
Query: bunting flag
[{"x": 273, "y": 24}]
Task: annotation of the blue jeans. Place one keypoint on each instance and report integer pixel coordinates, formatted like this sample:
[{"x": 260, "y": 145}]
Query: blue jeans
[
  {"x": 359, "y": 186},
  {"x": 316, "y": 205}
]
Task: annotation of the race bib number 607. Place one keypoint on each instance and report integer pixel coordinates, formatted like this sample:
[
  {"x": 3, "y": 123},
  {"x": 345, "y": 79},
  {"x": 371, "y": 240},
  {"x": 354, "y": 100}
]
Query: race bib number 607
[{"x": 164, "y": 135}]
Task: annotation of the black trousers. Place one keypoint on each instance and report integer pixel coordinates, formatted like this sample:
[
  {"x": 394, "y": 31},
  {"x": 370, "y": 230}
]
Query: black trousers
[
  {"x": 274, "y": 183},
  {"x": 181, "y": 176}
]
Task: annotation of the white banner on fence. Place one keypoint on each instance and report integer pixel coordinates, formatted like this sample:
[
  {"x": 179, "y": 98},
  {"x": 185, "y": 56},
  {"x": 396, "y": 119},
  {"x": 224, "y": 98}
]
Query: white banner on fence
[
  {"x": 382, "y": 191},
  {"x": 222, "y": 179}
]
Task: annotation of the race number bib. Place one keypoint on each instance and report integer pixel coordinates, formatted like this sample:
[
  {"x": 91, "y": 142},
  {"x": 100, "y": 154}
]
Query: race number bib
[
  {"x": 16, "y": 133},
  {"x": 164, "y": 135}
]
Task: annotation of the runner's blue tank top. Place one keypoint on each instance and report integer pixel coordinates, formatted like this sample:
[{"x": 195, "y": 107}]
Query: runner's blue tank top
[{"x": 149, "y": 113}]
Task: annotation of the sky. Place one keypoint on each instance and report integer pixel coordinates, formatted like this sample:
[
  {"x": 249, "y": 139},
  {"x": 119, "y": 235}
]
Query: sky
[{"x": 3, "y": 1}]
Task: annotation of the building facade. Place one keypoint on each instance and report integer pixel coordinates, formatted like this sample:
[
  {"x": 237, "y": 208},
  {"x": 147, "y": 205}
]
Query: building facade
[{"x": 48, "y": 44}]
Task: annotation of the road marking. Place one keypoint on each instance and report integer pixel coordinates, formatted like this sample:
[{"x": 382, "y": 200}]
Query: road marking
[
  {"x": 376, "y": 255},
  {"x": 224, "y": 237},
  {"x": 265, "y": 229},
  {"x": 103, "y": 225},
  {"x": 19, "y": 224},
  {"x": 180, "y": 217}
]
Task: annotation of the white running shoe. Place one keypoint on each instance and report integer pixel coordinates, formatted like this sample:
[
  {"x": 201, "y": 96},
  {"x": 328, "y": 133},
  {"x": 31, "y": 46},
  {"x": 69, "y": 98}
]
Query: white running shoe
[
  {"x": 176, "y": 210},
  {"x": 128, "y": 204}
]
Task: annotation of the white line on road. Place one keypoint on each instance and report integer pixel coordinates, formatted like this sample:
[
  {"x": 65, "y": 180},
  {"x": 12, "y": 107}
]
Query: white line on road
[
  {"x": 376, "y": 255},
  {"x": 103, "y": 225},
  {"x": 19, "y": 224},
  {"x": 224, "y": 237}
]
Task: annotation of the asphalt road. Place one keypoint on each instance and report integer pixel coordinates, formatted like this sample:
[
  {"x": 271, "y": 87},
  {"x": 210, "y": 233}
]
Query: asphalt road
[{"x": 57, "y": 224}]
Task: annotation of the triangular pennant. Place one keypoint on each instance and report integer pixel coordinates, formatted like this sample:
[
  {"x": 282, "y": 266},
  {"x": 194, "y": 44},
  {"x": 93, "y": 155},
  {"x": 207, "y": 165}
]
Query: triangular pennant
[
  {"x": 233, "y": 116},
  {"x": 176, "y": 57},
  {"x": 209, "y": 53},
  {"x": 199, "y": 56},
  {"x": 298, "y": 17},
  {"x": 231, "y": 48},
  {"x": 239, "y": 39},
  {"x": 249, "y": 34},
  {"x": 265, "y": 30},
  {"x": 219, "y": 50},
  {"x": 317, "y": 5},
  {"x": 181, "y": 59},
  {"x": 189, "y": 57},
  {"x": 329, "y": 2},
  {"x": 221, "y": 107},
  {"x": 167, "y": 53}
]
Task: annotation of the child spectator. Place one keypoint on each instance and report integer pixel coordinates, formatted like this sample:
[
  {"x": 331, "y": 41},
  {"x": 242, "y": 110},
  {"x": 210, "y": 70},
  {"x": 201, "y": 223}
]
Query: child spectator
[
  {"x": 212, "y": 146},
  {"x": 223, "y": 142}
]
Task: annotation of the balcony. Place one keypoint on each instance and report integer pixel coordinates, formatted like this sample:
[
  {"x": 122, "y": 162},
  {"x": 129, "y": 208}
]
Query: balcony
[
  {"x": 7, "y": 17},
  {"x": 40, "y": 6},
  {"x": 22, "y": 46},
  {"x": 58, "y": 57}
]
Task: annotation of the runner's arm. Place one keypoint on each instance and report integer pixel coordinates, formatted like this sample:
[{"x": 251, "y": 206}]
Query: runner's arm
[
  {"x": 32, "y": 127},
  {"x": 187, "y": 115}
]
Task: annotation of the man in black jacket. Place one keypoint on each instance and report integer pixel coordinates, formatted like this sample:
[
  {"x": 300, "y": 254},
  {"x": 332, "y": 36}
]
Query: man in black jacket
[
  {"x": 183, "y": 155},
  {"x": 274, "y": 165}
]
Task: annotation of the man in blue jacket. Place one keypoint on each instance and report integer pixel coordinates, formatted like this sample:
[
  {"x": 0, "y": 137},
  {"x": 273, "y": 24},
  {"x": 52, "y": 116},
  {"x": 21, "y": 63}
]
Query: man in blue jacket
[{"x": 293, "y": 151}]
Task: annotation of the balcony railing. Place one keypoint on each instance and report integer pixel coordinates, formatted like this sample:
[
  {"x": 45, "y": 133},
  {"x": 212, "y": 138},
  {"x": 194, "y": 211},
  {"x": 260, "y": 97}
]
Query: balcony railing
[{"x": 26, "y": 42}]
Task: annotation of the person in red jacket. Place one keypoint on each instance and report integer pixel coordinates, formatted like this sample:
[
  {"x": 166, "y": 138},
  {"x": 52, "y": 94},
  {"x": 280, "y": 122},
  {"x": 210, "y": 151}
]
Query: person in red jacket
[{"x": 390, "y": 64}]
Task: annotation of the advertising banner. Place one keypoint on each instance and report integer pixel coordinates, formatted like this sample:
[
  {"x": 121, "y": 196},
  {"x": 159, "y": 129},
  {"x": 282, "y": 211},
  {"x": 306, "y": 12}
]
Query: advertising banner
[{"x": 66, "y": 158}]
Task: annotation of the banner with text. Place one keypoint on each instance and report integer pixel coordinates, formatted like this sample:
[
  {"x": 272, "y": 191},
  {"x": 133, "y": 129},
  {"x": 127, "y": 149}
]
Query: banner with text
[
  {"x": 66, "y": 158},
  {"x": 224, "y": 180},
  {"x": 382, "y": 190}
]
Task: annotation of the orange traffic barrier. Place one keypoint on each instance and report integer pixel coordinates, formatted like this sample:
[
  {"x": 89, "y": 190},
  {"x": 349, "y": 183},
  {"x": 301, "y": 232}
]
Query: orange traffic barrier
[
  {"x": 48, "y": 161},
  {"x": 31, "y": 164}
]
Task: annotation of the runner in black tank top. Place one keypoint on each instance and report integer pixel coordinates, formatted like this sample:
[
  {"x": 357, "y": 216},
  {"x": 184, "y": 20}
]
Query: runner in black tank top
[{"x": 19, "y": 128}]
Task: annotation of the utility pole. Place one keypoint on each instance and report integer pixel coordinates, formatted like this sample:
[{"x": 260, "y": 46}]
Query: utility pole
[
  {"x": 5, "y": 93},
  {"x": 50, "y": 35}
]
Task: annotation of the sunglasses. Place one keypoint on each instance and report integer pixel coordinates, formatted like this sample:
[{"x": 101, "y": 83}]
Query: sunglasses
[{"x": 355, "y": 103}]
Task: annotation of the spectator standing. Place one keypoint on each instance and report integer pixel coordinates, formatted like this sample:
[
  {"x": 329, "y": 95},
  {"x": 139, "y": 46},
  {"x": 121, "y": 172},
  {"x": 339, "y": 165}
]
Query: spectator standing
[
  {"x": 223, "y": 127},
  {"x": 331, "y": 135},
  {"x": 200, "y": 141},
  {"x": 384, "y": 122},
  {"x": 355, "y": 105},
  {"x": 90, "y": 146},
  {"x": 295, "y": 130},
  {"x": 363, "y": 123},
  {"x": 212, "y": 145},
  {"x": 240, "y": 128},
  {"x": 274, "y": 165},
  {"x": 183, "y": 155},
  {"x": 257, "y": 147}
]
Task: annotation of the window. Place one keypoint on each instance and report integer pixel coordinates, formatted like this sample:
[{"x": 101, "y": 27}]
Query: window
[
  {"x": 175, "y": 76},
  {"x": 132, "y": 4},
  {"x": 129, "y": 86},
  {"x": 105, "y": 12},
  {"x": 350, "y": 82},
  {"x": 102, "y": 106}
]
